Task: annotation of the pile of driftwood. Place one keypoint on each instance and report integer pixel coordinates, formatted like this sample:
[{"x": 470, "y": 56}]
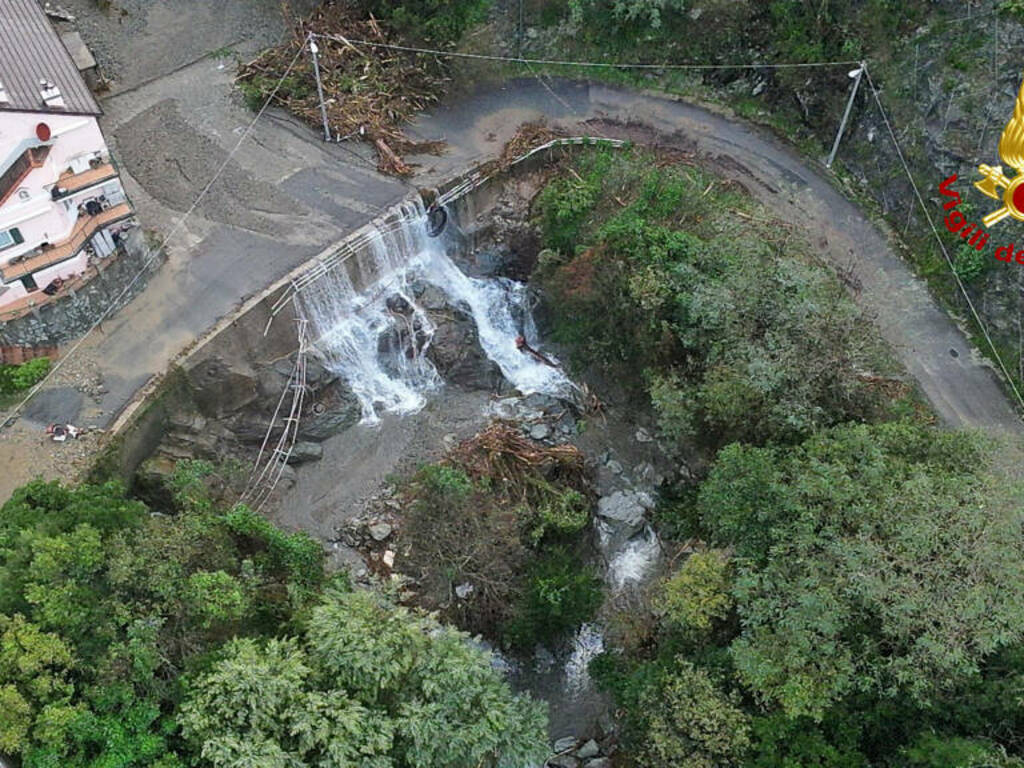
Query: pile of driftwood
[
  {"x": 369, "y": 92},
  {"x": 518, "y": 467}
]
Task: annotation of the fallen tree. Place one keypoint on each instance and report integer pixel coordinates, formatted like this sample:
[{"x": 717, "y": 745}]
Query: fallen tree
[{"x": 369, "y": 92}]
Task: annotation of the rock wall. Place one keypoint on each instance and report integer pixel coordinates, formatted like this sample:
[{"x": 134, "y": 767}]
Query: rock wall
[{"x": 70, "y": 315}]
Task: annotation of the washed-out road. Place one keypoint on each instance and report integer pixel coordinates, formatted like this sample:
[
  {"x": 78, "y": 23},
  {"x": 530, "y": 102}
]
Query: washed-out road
[{"x": 286, "y": 195}]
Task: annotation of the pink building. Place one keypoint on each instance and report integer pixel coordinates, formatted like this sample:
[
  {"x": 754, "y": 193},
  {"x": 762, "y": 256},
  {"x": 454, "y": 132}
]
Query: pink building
[{"x": 62, "y": 206}]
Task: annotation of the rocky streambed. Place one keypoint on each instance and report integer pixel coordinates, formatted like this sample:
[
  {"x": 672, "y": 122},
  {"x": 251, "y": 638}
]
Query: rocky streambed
[{"x": 445, "y": 343}]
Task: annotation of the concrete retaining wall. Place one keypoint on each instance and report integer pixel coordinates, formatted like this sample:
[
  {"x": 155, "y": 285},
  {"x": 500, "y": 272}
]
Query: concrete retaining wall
[
  {"x": 68, "y": 316},
  {"x": 226, "y": 371}
]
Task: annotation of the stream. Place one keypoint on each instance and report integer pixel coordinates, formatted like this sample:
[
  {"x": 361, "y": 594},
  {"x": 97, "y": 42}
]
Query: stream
[{"x": 377, "y": 338}]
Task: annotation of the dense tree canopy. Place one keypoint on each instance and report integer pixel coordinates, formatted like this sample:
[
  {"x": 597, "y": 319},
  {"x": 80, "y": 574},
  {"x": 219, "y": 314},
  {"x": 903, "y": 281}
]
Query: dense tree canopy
[
  {"x": 106, "y": 610},
  {"x": 738, "y": 332},
  {"x": 882, "y": 559},
  {"x": 369, "y": 685}
]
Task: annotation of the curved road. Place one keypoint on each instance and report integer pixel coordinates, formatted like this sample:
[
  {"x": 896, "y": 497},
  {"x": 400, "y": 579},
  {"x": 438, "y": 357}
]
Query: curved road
[
  {"x": 958, "y": 381},
  {"x": 291, "y": 195}
]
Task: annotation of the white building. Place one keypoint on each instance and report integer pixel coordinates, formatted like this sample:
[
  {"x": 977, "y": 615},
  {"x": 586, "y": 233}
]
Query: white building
[{"x": 62, "y": 206}]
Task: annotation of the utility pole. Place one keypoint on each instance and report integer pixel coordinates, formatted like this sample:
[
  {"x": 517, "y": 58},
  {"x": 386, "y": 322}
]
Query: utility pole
[
  {"x": 856, "y": 74},
  {"x": 319, "y": 86},
  {"x": 520, "y": 35}
]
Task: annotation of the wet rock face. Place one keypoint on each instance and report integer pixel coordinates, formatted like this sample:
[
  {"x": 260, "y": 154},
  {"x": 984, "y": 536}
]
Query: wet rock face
[
  {"x": 456, "y": 353},
  {"x": 220, "y": 387}
]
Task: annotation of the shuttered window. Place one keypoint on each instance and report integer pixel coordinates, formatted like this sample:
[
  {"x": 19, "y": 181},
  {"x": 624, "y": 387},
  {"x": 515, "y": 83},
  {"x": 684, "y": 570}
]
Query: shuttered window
[{"x": 10, "y": 237}]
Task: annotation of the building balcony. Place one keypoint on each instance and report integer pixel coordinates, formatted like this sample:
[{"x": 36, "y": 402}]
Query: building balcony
[
  {"x": 84, "y": 229},
  {"x": 69, "y": 183}
]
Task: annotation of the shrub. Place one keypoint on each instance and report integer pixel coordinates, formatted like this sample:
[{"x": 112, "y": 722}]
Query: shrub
[
  {"x": 969, "y": 263},
  {"x": 697, "y": 595},
  {"x": 692, "y": 723},
  {"x": 432, "y": 21},
  {"x": 561, "y": 593},
  {"x": 17, "y": 378}
]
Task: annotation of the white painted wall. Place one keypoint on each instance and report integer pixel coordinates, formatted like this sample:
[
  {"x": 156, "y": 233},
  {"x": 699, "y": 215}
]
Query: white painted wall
[{"x": 75, "y": 140}]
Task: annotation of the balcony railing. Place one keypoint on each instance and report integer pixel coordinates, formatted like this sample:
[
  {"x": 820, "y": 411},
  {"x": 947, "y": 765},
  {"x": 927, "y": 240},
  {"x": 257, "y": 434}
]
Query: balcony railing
[
  {"x": 85, "y": 228},
  {"x": 69, "y": 183}
]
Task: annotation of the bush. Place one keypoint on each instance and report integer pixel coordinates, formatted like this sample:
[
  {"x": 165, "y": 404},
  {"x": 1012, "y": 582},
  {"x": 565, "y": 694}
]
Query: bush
[
  {"x": 561, "y": 593},
  {"x": 698, "y": 594},
  {"x": 440, "y": 22},
  {"x": 692, "y": 723},
  {"x": 18, "y": 378},
  {"x": 969, "y": 263}
]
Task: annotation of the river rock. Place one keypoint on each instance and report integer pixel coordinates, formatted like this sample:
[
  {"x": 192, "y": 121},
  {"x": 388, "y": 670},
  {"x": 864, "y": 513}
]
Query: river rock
[
  {"x": 540, "y": 431},
  {"x": 588, "y": 750},
  {"x": 305, "y": 451},
  {"x": 543, "y": 659},
  {"x": 316, "y": 427},
  {"x": 430, "y": 297},
  {"x": 563, "y": 761},
  {"x": 456, "y": 352},
  {"x": 623, "y": 510},
  {"x": 598, "y": 762},
  {"x": 643, "y": 436},
  {"x": 564, "y": 744},
  {"x": 379, "y": 531}
]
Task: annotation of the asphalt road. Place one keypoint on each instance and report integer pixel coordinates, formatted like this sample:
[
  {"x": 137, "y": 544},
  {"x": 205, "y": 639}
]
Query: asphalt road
[
  {"x": 286, "y": 195},
  {"x": 956, "y": 379}
]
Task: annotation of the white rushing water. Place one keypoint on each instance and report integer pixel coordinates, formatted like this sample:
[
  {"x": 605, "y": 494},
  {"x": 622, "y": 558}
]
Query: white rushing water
[
  {"x": 587, "y": 644},
  {"x": 377, "y": 338},
  {"x": 635, "y": 561}
]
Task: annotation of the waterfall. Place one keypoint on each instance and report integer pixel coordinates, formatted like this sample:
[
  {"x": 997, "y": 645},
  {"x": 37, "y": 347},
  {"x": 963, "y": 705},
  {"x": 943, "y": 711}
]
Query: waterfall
[{"x": 377, "y": 337}]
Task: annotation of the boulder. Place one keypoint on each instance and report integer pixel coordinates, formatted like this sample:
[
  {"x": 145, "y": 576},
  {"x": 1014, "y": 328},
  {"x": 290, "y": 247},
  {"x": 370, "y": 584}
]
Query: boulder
[
  {"x": 588, "y": 750},
  {"x": 540, "y": 431},
  {"x": 564, "y": 744},
  {"x": 598, "y": 762},
  {"x": 643, "y": 436},
  {"x": 456, "y": 352},
  {"x": 220, "y": 388},
  {"x": 623, "y": 510},
  {"x": 304, "y": 451},
  {"x": 563, "y": 761},
  {"x": 317, "y": 427},
  {"x": 379, "y": 531}
]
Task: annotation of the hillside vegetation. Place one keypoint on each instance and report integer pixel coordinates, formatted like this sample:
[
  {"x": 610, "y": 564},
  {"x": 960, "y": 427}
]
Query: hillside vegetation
[
  {"x": 849, "y": 588},
  {"x": 201, "y": 635}
]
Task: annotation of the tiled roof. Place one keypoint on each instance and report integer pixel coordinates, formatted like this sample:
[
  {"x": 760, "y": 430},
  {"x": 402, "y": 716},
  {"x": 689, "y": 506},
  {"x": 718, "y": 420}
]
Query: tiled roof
[{"x": 31, "y": 51}]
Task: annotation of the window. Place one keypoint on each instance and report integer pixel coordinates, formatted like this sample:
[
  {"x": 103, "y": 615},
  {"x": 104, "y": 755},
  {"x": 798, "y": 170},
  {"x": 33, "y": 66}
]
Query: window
[{"x": 10, "y": 237}]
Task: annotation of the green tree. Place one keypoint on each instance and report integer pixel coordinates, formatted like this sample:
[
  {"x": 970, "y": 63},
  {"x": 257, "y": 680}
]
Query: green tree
[
  {"x": 738, "y": 335},
  {"x": 698, "y": 595},
  {"x": 35, "y": 673},
  {"x": 852, "y": 552},
  {"x": 692, "y": 722},
  {"x": 370, "y": 685}
]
